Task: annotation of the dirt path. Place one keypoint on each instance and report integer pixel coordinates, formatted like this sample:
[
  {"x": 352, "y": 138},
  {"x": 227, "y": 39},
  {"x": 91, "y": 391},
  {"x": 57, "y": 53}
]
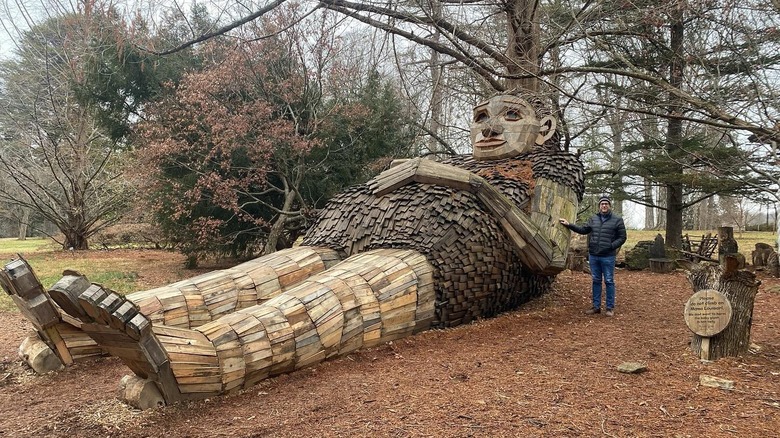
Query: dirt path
[{"x": 543, "y": 370}]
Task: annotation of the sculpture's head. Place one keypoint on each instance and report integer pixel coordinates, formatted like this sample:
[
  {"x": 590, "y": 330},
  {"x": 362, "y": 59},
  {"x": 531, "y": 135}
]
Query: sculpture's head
[{"x": 508, "y": 124}]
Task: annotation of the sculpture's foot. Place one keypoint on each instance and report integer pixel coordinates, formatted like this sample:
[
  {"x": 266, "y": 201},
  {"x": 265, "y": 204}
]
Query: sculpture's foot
[
  {"x": 114, "y": 323},
  {"x": 59, "y": 339}
]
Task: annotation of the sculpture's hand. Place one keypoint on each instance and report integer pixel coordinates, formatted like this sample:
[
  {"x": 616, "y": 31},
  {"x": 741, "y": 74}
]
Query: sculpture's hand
[
  {"x": 424, "y": 171},
  {"x": 394, "y": 177}
]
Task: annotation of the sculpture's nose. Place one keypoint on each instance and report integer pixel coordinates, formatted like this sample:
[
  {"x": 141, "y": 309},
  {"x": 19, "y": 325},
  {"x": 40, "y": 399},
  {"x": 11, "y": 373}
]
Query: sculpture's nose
[{"x": 492, "y": 130}]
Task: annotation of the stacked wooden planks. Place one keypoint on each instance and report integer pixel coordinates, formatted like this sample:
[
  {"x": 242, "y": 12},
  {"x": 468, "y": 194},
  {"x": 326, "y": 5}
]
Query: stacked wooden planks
[
  {"x": 75, "y": 343},
  {"x": 530, "y": 238},
  {"x": 115, "y": 324},
  {"x": 194, "y": 361},
  {"x": 551, "y": 202},
  {"x": 198, "y": 300},
  {"x": 188, "y": 303},
  {"x": 21, "y": 283}
]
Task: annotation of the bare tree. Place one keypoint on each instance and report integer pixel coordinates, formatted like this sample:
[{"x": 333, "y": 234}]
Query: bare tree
[
  {"x": 737, "y": 212},
  {"x": 761, "y": 157},
  {"x": 514, "y": 52},
  {"x": 55, "y": 159}
]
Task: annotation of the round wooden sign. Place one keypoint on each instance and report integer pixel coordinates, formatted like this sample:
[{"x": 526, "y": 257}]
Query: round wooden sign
[{"x": 707, "y": 312}]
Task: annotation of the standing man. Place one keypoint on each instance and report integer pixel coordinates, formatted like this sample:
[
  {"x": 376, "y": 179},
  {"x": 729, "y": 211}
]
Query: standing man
[{"x": 607, "y": 235}]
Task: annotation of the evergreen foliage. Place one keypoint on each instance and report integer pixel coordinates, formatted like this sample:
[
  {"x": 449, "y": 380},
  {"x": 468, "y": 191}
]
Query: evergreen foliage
[{"x": 120, "y": 77}]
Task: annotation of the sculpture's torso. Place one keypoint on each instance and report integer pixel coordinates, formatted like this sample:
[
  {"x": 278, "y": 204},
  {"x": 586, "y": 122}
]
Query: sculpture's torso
[{"x": 478, "y": 273}]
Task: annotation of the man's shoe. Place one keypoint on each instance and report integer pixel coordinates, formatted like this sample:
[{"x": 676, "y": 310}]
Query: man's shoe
[
  {"x": 593, "y": 311},
  {"x": 609, "y": 312}
]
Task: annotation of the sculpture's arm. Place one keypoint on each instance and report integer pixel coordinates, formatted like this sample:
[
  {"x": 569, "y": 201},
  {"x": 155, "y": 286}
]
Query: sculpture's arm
[
  {"x": 535, "y": 246},
  {"x": 551, "y": 202}
]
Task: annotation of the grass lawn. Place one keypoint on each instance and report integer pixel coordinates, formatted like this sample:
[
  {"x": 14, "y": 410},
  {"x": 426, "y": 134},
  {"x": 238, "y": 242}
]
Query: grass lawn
[
  {"x": 746, "y": 240},
  {"x": 11, "y": 245}
]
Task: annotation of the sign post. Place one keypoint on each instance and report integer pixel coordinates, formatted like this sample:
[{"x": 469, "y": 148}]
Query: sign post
[{"x": 707, "y": 313}]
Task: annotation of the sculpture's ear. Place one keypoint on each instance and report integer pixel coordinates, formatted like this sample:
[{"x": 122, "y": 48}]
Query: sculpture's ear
[{"x": 546, "y": 129}]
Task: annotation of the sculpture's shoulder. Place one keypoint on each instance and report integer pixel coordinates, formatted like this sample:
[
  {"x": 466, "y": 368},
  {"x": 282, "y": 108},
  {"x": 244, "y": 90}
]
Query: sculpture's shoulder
[
  {"x": 517, "y": 169},
  {"x": 560, "y": 166},
  {"x": 550, "y": 163}
]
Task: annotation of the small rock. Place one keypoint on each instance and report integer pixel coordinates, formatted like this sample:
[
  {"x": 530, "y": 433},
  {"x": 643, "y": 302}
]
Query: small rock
[
  {"x": 754, "y": 348},
  {"x": 632, "y": 367},
  {"x": 715, "y": 382}
]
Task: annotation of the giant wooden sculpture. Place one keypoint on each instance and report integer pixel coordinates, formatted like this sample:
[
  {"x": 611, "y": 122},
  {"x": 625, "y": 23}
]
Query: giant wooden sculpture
[{"x": 424, "y": 244}]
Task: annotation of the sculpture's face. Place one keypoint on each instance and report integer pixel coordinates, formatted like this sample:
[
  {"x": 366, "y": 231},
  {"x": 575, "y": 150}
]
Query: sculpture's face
[{"x": 506, "y": 126}]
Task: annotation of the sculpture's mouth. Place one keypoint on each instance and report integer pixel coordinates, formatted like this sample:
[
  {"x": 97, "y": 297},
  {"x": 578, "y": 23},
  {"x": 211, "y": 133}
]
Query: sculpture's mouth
[{"x": 489, "y": 143}]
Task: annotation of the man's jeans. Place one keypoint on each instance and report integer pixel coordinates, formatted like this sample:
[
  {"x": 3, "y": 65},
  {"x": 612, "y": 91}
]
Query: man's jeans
[{"x": 603, "y": 266}]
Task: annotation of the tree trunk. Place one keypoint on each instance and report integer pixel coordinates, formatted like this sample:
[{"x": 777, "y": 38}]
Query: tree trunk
[
  {"x": 75, "y": 240},
  {"x": 75, "y": 229},
  {"x": 709, "y": 214},
  {"x": 777, "y": 219},
  {"x": 24, "y": 223},
  {"x": 773, "y": 264},
  {"x": 661, "y": 213},
  {"x": 524, "y": 40},
  {"x": 674, "y": 190},
  {"x": 698, "y": 216},
  {"x": 649, "y": 211},
  {"x": 278, "y": 226},
  {"x": 740, "y": 288},
  {"x": 674, "y": 222},
  {"x": 617, "y": 164},
  {"x": 726, "y": 243},
  {"x": 617, "y": 125},
  {"x": 437, "y": 95}
]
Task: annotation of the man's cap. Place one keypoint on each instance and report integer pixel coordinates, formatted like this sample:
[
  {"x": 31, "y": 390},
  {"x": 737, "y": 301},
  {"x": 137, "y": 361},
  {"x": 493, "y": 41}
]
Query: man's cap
[{"x": 605, "y": 199}]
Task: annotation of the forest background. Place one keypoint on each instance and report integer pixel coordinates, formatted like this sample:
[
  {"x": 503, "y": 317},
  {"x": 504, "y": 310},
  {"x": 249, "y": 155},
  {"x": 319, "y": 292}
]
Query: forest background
[{"x": 219, "y": 129}]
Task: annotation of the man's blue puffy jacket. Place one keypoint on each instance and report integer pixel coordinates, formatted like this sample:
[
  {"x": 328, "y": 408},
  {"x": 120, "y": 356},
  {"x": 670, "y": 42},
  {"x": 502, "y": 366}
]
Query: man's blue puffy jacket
[{"x": 607, "y": 234}]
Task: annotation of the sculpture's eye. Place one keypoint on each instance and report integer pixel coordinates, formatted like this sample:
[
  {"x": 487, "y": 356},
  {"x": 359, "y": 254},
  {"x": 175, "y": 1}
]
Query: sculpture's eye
[
  {"x": 481, "y": 116},
  {"x": 512, "y": 115}
]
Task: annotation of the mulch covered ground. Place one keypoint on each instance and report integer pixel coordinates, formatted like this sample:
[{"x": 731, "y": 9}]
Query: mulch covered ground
[{"x": 545, "y": 369}]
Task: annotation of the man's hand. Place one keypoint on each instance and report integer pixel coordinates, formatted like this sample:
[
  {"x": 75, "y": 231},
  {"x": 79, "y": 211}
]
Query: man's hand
[{"x": 563, "y": 222}]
